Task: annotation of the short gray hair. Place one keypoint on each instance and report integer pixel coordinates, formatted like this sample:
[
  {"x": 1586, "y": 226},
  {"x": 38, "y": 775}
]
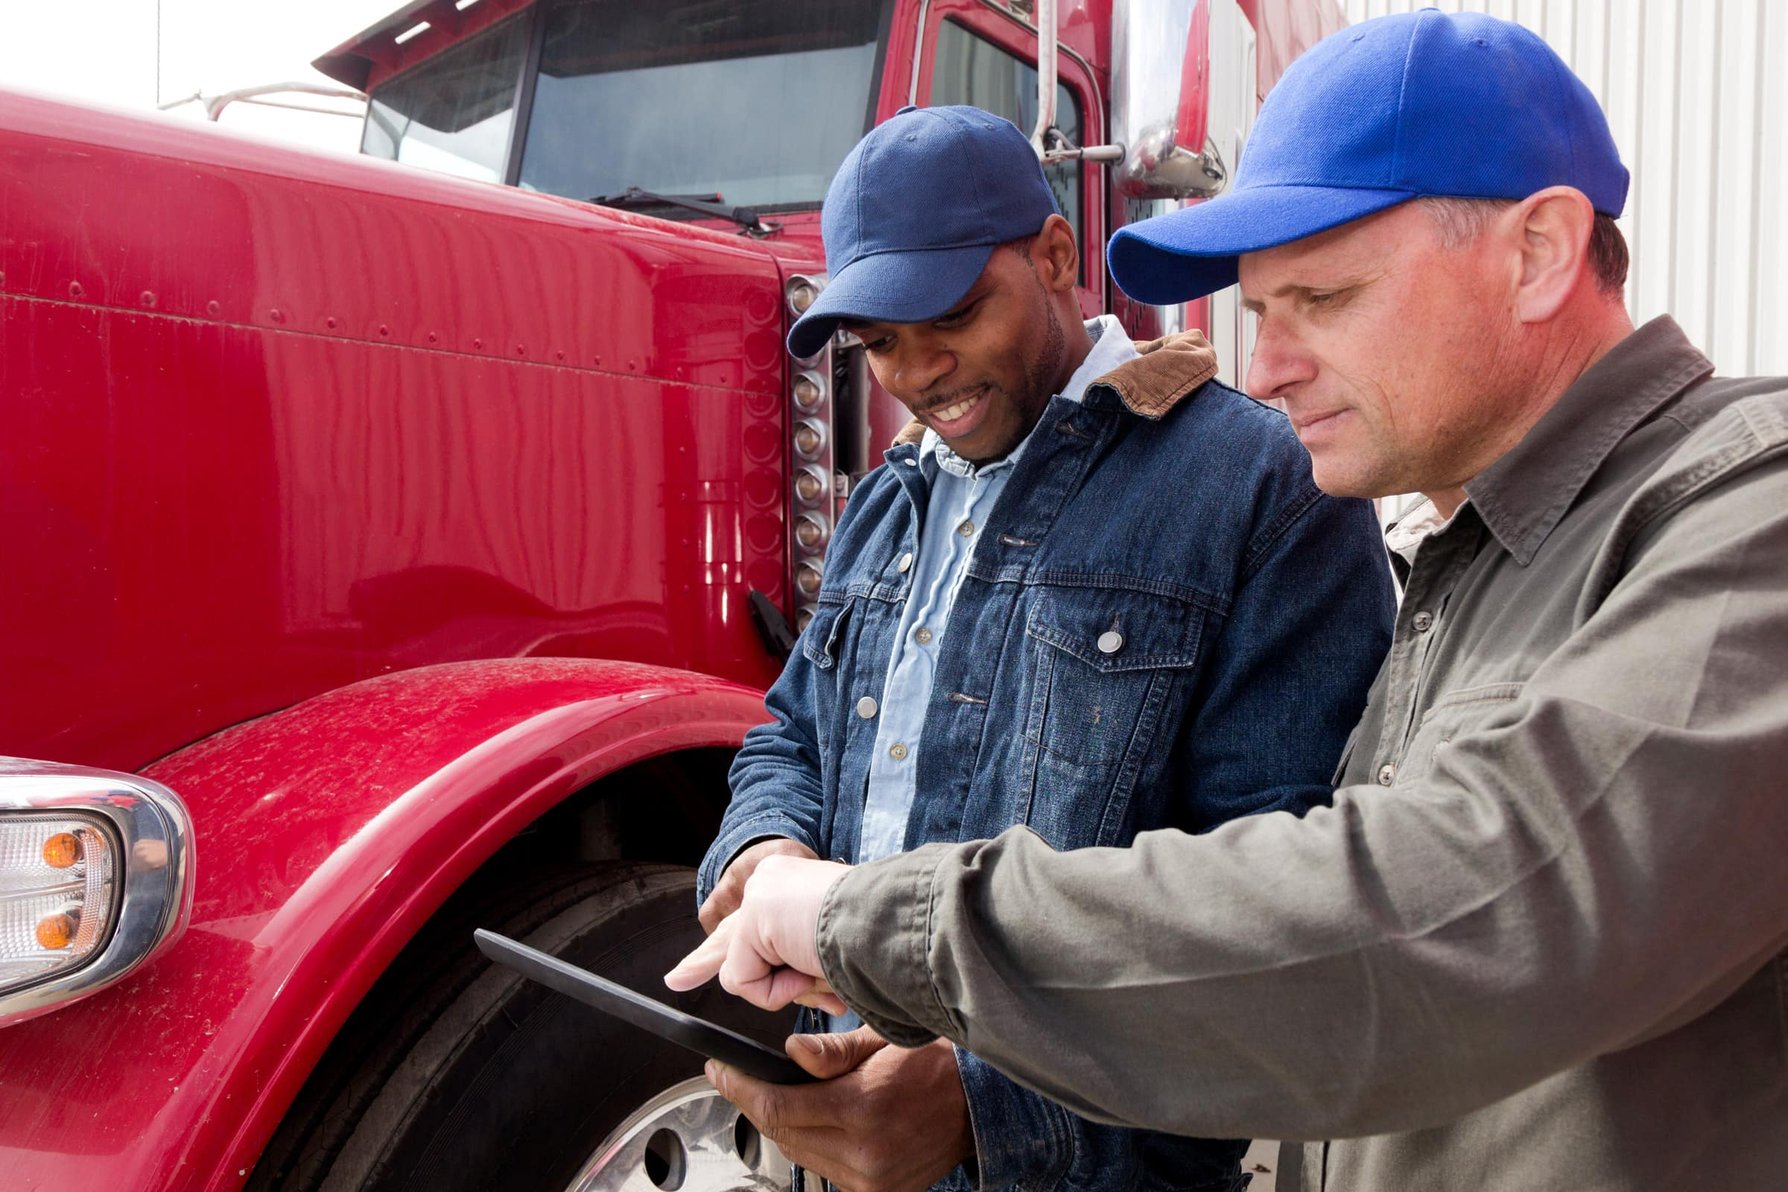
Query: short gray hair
[{"x": 1461, "y": 221}]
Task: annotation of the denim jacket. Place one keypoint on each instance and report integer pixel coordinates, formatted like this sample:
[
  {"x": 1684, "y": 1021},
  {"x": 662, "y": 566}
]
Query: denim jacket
[{"x": 1164, "y": 624}]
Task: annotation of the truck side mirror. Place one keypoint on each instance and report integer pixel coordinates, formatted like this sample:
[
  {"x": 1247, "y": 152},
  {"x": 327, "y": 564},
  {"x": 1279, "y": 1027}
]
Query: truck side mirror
[{"x": 1162, "y": 99}]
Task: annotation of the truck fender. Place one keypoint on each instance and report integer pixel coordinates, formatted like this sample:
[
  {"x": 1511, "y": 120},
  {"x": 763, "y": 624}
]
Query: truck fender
[{"x": 330, "y": 832}]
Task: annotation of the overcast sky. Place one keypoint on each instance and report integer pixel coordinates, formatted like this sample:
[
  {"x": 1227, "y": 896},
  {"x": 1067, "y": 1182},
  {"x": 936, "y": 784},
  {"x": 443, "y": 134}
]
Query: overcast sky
[{"x": 105, "y": 51}]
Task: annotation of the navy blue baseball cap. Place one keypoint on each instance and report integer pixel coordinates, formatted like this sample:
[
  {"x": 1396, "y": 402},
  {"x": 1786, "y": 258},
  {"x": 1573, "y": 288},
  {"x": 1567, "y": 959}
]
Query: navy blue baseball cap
[
  {"x": 913, "y": 214},
  {"x": 1396, "y": 108}
]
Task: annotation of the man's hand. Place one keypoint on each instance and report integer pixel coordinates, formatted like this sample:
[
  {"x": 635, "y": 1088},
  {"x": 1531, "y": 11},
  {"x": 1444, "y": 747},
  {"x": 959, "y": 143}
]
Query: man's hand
[
  {"x": 882, "y": 1119},
  {"x": 723, "y": 900},
  {"x": 765, "y": 951}
]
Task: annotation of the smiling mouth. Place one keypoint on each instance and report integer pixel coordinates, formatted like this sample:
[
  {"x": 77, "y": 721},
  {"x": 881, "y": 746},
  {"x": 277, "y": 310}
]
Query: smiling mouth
[{"x": 942, "y": 416}]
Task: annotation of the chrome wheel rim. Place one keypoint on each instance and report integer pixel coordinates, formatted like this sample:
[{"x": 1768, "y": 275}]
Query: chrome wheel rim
[{"x": 686, "y": 1139}]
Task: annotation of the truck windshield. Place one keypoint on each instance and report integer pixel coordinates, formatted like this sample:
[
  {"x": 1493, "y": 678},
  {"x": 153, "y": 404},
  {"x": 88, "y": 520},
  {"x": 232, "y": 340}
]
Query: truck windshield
[
  {"x": 753, "y": 101},
  {"x": 756, "y": 101},
  {"x": 455, "y": 112}
]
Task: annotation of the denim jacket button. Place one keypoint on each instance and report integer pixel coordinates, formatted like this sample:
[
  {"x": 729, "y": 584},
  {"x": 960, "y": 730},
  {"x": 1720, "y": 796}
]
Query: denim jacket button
[
  {"x": 906, "y": 562},
  {"x": 866, "y": 707},
  {"x": 1110, "y": 642}
]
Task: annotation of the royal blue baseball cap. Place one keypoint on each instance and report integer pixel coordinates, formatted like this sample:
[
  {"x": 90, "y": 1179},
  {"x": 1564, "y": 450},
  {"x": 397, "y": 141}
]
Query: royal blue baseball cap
[
  {"x": 913, "y": 214},
  {"x": 1424, "y": 103}
]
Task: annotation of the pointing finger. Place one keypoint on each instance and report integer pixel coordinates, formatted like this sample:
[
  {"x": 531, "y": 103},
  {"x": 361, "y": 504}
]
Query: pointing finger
[{"x": 700, "y": 966}]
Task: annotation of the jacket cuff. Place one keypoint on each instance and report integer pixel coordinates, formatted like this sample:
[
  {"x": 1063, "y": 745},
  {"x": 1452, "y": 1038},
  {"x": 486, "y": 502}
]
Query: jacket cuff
[
  {"x": 873, "y": 937},
  {"x": 1021, "y": 1140},
  {"x": 735, "y": 838}
]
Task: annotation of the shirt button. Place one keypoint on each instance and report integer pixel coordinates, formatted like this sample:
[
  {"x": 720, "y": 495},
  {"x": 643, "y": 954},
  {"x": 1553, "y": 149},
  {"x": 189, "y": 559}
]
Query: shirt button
[
  {"x": 1110, "y": 642},
  {"x": 906, "y": 562},
  {"x": 1386, "y": 772},
  {"x": 1423, "y": 622},
  {"x": 922, "y": 635},
  {"x": 910, "y": 462},
  {"x": 866, "y": 707},
  {"x": 897, "y": 751},
  {"x": 966, "y": 529}
]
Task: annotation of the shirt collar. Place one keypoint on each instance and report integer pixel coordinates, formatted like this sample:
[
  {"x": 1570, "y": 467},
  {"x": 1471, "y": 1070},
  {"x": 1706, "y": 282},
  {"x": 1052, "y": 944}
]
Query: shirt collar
[
  {"x": 1108, "y": 352},
  {"x": 1524, "y": 494},
  {"x": 1420, "y": 522}
]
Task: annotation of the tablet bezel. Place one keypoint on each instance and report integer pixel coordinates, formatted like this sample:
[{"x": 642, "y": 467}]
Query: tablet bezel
[{"x": 686, "y": 1030}]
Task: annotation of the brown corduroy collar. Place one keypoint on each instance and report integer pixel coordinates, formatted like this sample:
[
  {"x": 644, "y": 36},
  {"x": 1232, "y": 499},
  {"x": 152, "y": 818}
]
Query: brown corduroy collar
[{"x": 1166, "y": 371}]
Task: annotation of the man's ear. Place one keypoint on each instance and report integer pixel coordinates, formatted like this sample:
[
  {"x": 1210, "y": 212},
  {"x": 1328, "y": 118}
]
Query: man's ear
[
  {"x": 1058, "y": 254},
  {"x": 1552, "y": 227}
]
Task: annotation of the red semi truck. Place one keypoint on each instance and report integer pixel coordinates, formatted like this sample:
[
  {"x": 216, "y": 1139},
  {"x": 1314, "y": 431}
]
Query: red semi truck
[{"x": 391, "y": 551}]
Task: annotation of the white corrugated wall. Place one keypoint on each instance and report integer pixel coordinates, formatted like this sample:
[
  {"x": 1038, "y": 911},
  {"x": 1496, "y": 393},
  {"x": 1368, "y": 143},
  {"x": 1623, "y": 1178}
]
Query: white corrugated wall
[{"x": 1696, "y": 92}]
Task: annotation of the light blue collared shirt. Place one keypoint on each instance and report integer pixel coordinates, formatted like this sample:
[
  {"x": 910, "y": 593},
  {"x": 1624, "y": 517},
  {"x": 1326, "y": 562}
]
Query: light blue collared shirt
[{"x": 962, "y": 495}]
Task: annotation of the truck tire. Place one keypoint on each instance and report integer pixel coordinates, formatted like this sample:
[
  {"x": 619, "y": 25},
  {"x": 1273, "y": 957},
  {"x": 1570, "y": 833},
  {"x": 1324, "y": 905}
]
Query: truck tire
[{"x": 456, "y": 1074}]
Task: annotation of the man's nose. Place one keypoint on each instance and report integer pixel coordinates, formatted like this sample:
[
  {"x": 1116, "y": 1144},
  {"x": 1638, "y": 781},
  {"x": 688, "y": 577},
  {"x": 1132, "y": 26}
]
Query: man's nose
[
  {"x": 1278, "y": 362},
  {"x": 922, "y": 363}
]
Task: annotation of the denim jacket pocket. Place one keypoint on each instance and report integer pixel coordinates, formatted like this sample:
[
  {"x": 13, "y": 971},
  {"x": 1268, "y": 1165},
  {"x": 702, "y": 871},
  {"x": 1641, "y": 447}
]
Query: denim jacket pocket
[
  {"x": 1101, "y": 655},
  {"x": 1111, "y": 669},
  {"x": 1099, "y": 681},
  {"x": 824, "y": 634}
]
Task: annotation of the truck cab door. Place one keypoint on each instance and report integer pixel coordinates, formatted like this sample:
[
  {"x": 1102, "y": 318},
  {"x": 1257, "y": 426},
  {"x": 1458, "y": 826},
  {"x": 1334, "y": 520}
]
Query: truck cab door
[{"x": 971, "y": 52}]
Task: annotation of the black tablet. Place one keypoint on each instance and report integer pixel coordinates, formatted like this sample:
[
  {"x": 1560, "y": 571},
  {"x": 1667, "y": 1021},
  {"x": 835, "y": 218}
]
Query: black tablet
[{"x": 697, "y": 1034}]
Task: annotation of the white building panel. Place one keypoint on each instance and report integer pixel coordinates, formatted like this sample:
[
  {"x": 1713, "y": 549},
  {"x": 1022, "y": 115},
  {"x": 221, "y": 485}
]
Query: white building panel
[{"x": 1696, "y": 96}]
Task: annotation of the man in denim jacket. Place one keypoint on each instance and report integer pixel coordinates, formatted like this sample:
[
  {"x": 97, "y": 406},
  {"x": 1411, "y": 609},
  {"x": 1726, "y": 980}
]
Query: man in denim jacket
[{"x": 1100, "y": 595}]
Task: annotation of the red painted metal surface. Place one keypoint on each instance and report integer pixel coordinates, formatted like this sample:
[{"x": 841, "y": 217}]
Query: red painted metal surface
[
  {"x": 331, "y": 832},
  {"x": 1192, "y": 122},
  {"x": 277, "y": 422},
  {"x": 1084, "y": 28}
]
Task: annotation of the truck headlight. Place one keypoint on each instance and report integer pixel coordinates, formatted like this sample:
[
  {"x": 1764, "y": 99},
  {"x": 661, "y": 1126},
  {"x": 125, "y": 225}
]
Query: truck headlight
[
  {"x": 58, "y": 893},
  {"x": 95, "y": 878}
]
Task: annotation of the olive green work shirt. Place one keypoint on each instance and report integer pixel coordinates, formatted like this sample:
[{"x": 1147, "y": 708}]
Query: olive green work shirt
[{"x": 1537, "y": 942}]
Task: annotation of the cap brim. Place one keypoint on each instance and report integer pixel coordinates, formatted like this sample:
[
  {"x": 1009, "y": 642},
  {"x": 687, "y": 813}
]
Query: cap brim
[
  {"x": 889, "y": 287},
  {"x": 1192, "y": 252}
]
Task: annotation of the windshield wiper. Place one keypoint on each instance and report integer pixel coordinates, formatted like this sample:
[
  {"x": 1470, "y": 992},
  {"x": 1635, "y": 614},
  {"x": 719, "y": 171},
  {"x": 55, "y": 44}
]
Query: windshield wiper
[{"x": 633, "y": 197}]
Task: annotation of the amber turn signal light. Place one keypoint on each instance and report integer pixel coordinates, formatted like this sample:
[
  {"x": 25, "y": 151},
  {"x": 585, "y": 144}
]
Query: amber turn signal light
[
  {"x": 55, "y": 932},
  {"x": 61, "y": 850}
]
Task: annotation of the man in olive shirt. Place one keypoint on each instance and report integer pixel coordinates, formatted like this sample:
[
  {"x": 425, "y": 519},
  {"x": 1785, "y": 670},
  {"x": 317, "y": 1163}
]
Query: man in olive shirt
[{"x": 1538, "y": 941}]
